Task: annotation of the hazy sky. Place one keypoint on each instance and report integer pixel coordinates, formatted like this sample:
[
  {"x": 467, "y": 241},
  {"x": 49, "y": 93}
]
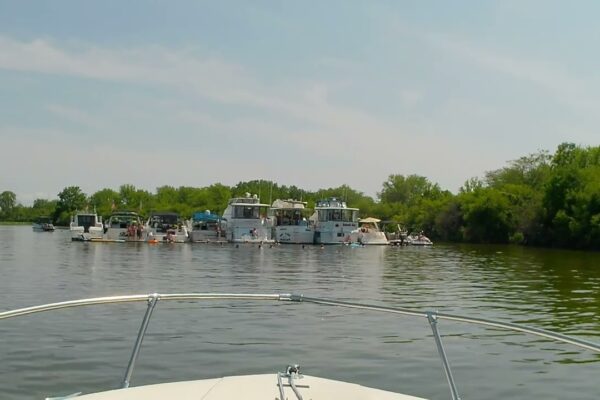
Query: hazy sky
[{"x": 309, "y": 93}]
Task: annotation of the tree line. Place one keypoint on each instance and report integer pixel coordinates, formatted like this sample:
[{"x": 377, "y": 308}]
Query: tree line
[{"x": 541, "y": 199}]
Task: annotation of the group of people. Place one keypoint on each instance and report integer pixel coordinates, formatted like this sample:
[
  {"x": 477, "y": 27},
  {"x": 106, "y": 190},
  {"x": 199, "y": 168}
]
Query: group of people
[{"x": 135, "y": 230}]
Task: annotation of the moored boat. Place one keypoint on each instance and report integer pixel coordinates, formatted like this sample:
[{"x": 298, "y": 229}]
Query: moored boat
[
  {"x": 124, "y": 226},
  {"x": 291, "y": 222},
  {"x": 86, "y": 226},
  {"x": 334, "y": 221},
  {"x": 247, "y": 220},
  {"x": 166, "y": 227},
  {"x": 207, "y": 227},
  {"x": 418, "y": 240},
  {"x": 43, "y": 224},
  {"x": 368, "y": 232}
]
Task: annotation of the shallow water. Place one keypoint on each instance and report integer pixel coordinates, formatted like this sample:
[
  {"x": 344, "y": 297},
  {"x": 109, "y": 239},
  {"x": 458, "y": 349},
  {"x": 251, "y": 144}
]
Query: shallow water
[{"x": 87, "y": 349}]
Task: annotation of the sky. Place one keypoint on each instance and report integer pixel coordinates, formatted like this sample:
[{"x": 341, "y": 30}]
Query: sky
[{"x": 316, "y": 94}]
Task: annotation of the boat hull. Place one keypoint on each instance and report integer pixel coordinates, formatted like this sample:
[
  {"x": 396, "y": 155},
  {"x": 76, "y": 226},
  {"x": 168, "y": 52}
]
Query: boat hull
[
  {"x": 294, "y": 234},
  {"x": 240, "y": 231},
  {"x": 369, "y": 238},
  {"x": 78, "y": 233}
]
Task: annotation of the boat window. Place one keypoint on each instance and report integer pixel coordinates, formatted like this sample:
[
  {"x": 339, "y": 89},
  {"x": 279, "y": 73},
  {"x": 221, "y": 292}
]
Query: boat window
[
  {"x": 86, "y": 220},
  {"x": 323, "y": 215},
  {"x": 288, "y": 217},
  {"x": 350, "y": 215},
  {"x": 246, "y": 212},
  {"x": 336, "y": 215}
]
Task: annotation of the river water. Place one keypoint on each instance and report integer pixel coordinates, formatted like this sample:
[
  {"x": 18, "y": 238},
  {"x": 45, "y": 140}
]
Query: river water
[{"x": 87, "y": 349}]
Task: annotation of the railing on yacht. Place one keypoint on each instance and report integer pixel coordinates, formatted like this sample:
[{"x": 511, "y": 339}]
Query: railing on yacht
[{"x": 432, "y": 317}]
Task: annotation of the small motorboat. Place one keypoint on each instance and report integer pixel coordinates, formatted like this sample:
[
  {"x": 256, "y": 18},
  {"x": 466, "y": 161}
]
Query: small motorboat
[
  {"x": 368, "y": 233},
  {"x": 418, "y": 240},
  {"x": 43, "y": 224}
]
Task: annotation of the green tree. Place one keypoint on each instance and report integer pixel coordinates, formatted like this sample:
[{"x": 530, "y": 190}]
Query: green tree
[
  {"x": 486, "y": 216},
  {"x": 408, "y": 190},
  {"x": 70, "y": 200},
  {"x": 8, "y": 200},
  {"x": 105, "y": 201},
  {"x": 43, "y": 207},
  {"x": 531, "y": 170}
]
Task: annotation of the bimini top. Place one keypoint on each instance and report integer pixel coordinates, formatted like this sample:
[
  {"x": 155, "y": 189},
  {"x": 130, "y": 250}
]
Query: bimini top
[
  {"x": 206, "y": 216},
  {"x": 164, "y": 217},
  {"x": 247, "y": 201},
  {"x": 369, "y": 220},
  {"x": 125, "y": 213},
  {"x": 289, "y": 203},
  {"x": 333, "y": 202}
]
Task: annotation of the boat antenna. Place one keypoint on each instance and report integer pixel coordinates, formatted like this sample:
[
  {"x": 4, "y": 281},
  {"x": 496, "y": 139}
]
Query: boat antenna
[{"x": 271, "y": 193}]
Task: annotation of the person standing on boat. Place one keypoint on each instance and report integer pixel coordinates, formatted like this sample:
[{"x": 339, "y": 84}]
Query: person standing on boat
[
  {"x": 140, "y": 230},
  {"x": 131, "y": 230}
]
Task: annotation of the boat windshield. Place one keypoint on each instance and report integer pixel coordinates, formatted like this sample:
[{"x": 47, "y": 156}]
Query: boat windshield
[
  {"x": 86, "y": 220},
  {"x": 290, "y": 217},
  {"x": 123, "y": 220},
  {"x": 247, "y": 212},
  {"x": 343, "y": 215}
]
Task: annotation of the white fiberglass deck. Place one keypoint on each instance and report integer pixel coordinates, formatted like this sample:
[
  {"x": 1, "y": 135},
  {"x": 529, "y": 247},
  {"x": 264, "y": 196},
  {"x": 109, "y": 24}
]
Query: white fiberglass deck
[{"x": 249, "y": 387}]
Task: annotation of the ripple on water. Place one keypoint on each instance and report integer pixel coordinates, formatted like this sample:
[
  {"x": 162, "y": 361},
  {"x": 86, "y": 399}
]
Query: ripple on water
[{"x": 87, "y": 349}]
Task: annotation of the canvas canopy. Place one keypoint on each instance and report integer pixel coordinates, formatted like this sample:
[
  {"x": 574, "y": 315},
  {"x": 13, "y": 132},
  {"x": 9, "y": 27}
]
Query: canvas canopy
[{"x": 369, "y": 220}]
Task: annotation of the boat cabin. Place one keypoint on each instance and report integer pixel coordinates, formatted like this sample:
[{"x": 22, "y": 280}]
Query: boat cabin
[
  {"x": 290, "y": 212},
  {"x": 335, "y": 210},
  {"x": 161, "y": 222}
]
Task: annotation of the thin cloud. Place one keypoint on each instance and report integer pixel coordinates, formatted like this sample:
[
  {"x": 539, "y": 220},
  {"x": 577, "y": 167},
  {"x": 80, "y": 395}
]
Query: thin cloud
[
  {"x": 303, "y": 120},
  {"x": 210, "y": 78},
  {"x": 543, "y": 74}
]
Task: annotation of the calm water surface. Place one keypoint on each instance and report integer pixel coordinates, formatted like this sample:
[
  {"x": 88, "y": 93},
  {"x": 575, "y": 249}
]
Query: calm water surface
[{"x": 87, "y": 349}]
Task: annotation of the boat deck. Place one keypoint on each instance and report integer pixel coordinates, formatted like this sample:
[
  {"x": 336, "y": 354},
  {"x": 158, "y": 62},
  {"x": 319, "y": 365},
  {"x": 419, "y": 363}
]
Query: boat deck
[{"x": 250, "y": 387}]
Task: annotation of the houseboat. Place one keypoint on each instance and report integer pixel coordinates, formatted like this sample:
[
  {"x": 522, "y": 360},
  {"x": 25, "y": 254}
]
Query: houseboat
[
  {"x": 247, "y": 220},
  {"x": 292, "y": 224},
  {"x": 334, "y": 221}
]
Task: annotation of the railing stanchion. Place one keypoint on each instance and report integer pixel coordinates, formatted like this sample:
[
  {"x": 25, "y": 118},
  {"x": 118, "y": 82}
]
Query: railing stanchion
[
  {"x": 152, "y": 300},
  {"x": 432, "y": 318}
]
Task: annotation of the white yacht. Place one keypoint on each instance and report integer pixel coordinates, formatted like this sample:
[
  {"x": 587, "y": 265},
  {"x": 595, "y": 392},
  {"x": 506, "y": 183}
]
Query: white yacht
[
  {"x": 247, "y": 220},
  {"x": 368, "y": 232},
  {"x": 165, "y": 227},
  {"x": 334, "y": 221},
  {"x": 85, "y": 226},
  {"x": 123, "y": 226},
  {"x": 207, "y": 227},
  {"x": 291, "y": 222}
]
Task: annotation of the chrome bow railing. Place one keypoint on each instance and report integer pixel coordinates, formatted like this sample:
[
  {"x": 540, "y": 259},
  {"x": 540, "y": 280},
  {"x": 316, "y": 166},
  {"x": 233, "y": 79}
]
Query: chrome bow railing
[{"x": 431, "y": 316}]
